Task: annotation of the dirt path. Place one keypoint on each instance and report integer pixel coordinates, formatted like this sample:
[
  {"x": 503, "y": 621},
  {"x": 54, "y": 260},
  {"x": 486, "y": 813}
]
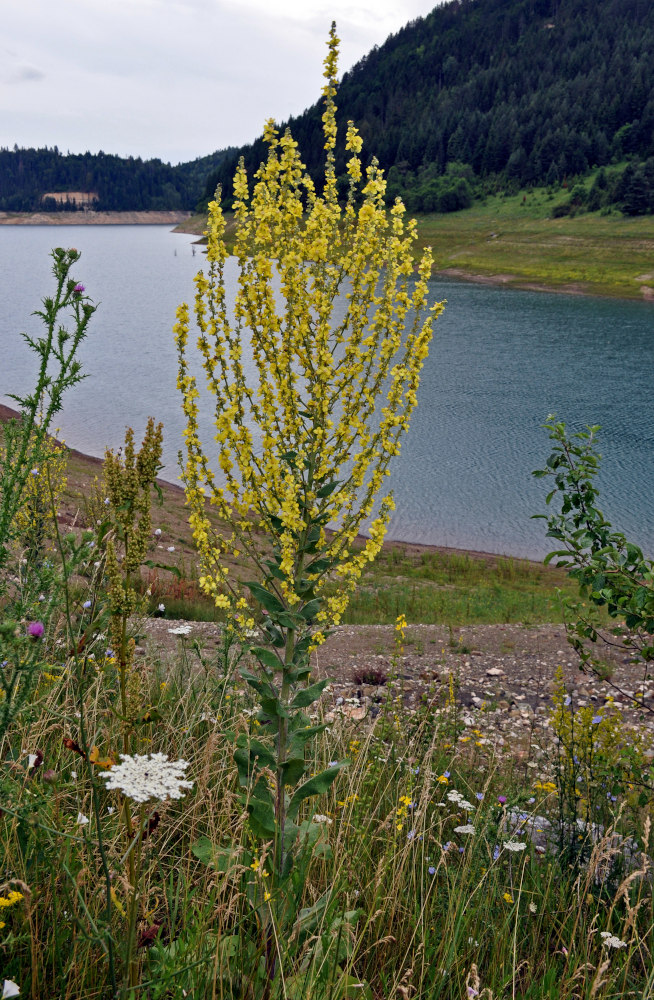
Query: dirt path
[{"x": 503, "y": 675}]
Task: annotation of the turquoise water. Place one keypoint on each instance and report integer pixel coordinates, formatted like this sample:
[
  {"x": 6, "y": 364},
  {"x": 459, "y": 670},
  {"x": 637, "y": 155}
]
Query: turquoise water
[{"x": 501, "y": 360}]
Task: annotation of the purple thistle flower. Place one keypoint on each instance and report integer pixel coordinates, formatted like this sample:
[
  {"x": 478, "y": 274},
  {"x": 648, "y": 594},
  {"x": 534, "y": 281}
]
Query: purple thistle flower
[
  {"x": 501, "y": 799},
  {"x": 35, "y": 629},
  {"x": 78, "y": 289}
]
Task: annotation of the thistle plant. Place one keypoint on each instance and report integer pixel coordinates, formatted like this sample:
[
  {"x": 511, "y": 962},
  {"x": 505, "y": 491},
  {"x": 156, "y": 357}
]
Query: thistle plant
[
  {"x": 28, "y": 456},
  {"x": 24, "y": 439},
  {"x": 315, "y": 378}
]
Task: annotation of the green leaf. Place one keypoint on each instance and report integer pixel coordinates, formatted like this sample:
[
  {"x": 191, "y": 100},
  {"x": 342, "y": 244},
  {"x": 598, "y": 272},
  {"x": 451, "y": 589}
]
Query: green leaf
[
  {"x": 311, "y": 609},
  {"x": 220, "y": 858},
  {"x": 263, "y": 688},
  {"x": 267, "y": 657},
  {"x": 328, "y": 489},
  {"x": 269, "y": 601},
  {"x": 308, "y": 695},
  {"x": 288, "y": 620},
  {"x": 262, "y": 818},
  {"x": 274, "y": 707},
  {"x": 300, "y": 674},
  {"x": 300, "y": 738},
  {"x": 292, "y": 770},
  {"x": 317, "y": 785}
]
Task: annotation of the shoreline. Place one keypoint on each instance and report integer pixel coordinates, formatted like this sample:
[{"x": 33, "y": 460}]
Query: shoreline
[
  {"x": 514, "y": 281},
  {"x": 91, "y": 218},
  {"x": 91, "y": 465},
  {"x": 186, "y": 223}
]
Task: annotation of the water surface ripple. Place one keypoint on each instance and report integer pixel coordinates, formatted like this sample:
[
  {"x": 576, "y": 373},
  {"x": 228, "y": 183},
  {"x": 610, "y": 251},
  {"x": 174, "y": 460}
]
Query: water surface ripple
[{"x": 501, "y": 360}]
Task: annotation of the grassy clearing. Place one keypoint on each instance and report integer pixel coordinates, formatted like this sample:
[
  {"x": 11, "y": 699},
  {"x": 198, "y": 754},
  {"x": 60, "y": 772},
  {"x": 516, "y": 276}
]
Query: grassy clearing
[
  {"x": 516, "y": 239},
  {"x": 512, "y": 240},
  {"x": 457, "y": 589}
]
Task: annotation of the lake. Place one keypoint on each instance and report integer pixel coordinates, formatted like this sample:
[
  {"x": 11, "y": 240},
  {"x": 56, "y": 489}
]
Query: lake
[{"x": 501, "y": 360}]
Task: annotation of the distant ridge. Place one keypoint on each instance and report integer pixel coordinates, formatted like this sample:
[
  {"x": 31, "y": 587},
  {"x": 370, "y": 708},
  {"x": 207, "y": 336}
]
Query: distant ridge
[
  {"x": 34, "y": 180},
  {"x": 488, "y": 95}
]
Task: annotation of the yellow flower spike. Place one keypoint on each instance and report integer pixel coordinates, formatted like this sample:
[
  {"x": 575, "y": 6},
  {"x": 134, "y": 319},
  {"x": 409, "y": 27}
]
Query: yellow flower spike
[{"x": 334, "y": 389}]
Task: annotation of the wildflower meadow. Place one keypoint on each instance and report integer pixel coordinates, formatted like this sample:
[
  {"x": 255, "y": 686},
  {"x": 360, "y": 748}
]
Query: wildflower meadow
[{"x": 182, "y": 823}]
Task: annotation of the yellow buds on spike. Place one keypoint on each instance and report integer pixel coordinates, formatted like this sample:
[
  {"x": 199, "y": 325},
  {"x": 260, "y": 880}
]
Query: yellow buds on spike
[{"x": 313, "y": 368}]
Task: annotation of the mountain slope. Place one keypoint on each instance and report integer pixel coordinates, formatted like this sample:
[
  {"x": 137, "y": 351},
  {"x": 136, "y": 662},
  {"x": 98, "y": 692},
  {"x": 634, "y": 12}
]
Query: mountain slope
[{"x": 510, "y": 92}]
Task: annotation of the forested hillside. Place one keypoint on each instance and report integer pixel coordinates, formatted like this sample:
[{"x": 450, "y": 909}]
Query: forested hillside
[
  {"x": 121, "y": 184},
  {"x": 489, "y": 94}
]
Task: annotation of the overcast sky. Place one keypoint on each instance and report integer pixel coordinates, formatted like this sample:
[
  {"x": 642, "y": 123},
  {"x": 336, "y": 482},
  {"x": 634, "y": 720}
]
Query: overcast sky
[{"x": 172, "y": 78}]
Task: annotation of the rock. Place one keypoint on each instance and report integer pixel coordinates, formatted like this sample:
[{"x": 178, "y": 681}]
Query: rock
[{"x": 495, "y": 672}]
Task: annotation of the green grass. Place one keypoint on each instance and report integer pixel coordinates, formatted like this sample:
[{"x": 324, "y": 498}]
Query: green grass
[
  {"x": 433, "y": 907},
  {"x": 457, "y": 589},
  {"x": 513, "y": 240}
]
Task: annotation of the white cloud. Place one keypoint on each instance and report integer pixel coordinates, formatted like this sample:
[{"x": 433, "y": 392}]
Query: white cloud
[{"x": 172, "y": 78}]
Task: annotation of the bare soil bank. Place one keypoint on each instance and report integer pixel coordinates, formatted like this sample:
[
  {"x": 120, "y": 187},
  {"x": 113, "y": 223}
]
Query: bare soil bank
[{"x": 92, "y": 218}]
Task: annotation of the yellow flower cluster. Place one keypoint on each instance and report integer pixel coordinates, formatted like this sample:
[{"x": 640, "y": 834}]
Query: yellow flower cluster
[
  {"x": 402, "y": 811},
  {"x": 314, "y": 370},
  {"x": 9, "y": 900},
  {"x": 43, "y": 491}
]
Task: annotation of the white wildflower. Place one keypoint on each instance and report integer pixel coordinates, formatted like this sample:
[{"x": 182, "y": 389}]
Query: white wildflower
[
  {"x": 148, "y": 776},
  {"x": 533, "y": 908},
  {"x": 171, "y": 548},
  {"x": 180, "y": 630},
  {"x": 157, "y": 531},
  {"x": 82, "y": 820},
  {"x": 320, "y": 818},
  {"x": 610, "y": 941},
  {"x": 459, "y": 800},
  {"x": 514, "y": 845},
  {"x": 31, "y": 760},
  {"x": 468, "y": 829},
  {"x": 161, "y": 607},
  {"x": 9, "y": 989}
]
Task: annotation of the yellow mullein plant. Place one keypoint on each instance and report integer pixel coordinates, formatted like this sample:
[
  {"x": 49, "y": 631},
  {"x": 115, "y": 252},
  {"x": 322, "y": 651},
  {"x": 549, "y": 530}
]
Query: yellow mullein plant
[{"x": 314, "y": 370}]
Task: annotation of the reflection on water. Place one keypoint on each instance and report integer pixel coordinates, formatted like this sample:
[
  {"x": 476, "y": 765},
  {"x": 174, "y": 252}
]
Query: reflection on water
[{"x": 500, "y": 362}]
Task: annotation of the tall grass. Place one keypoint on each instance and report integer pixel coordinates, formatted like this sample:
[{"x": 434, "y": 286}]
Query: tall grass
[{"x": 426, "y": 903}]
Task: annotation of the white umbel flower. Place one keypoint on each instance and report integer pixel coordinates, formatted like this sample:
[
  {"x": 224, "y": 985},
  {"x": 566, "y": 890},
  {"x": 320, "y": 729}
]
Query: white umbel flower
[
  {"x": 610, "y": 941},
  {"x": 148, "y": 776},
  {"x": 467, "y": 829},
  {"x": 514, "y": 845},
  {"x": 181, "y": 630},
  {"x": 9, "y": 989}
]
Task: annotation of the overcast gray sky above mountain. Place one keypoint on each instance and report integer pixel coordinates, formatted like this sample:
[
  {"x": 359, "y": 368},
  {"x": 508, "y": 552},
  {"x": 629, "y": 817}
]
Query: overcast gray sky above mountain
[{"x": 172, "y": 78}]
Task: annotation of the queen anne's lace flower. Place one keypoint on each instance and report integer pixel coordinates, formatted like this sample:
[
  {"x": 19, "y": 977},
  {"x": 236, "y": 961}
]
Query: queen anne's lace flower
[
  {"x": 148, "y": 776},
  {"x": 611, "y": 941},
  {"x": 514, "y": 845},
  {"x": 468, "y": 828},
  {"x": 459, "y": 800}
]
